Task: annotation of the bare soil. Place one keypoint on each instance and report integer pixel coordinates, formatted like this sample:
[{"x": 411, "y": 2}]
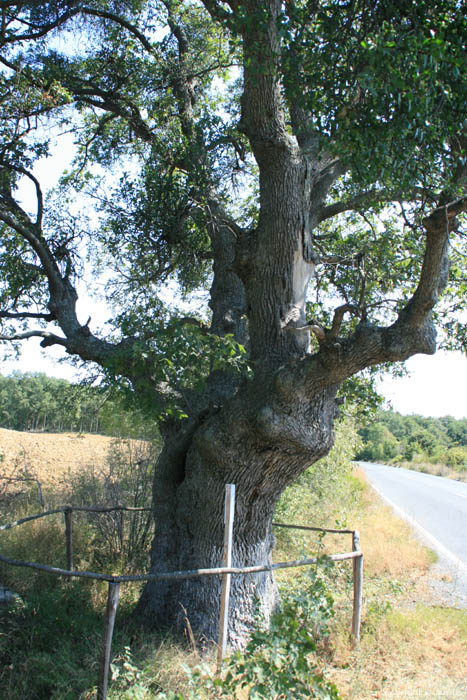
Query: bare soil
[{"x": 50, "y": 457}]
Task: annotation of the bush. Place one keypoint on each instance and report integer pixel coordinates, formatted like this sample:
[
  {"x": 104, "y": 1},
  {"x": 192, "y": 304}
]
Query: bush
[
  {"x": 279, "y": 662},
  {"x": 322, "y": 494},
  {"x": 118, "y": 538},
  {"x": 457, "y": 458}
]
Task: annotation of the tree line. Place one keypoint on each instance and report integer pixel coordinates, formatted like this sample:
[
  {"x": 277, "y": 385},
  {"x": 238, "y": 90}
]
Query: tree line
[
  {"x": 34, "y": 401},
  {"x": 396, "y": 438}
]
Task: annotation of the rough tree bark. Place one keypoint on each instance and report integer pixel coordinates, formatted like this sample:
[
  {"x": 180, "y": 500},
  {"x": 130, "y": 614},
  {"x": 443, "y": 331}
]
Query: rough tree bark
[{"x": 269, "y": 430}]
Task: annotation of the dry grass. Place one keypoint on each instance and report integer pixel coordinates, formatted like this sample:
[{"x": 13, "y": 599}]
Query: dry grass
[
  {"x": 416, "y": 654},
  {"x": 437, "y": 469},
  {"x": 408, "y": 651}
]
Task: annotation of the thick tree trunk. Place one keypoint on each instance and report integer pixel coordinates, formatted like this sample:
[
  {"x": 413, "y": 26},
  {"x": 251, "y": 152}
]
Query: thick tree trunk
[
  {"x": 259, "y": 447},
  {"x": 262, "y": 435}
]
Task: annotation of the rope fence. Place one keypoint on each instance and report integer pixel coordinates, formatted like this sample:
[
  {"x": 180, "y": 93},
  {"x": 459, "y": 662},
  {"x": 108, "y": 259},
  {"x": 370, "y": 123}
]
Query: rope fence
[{"x": 226, "y": 571}]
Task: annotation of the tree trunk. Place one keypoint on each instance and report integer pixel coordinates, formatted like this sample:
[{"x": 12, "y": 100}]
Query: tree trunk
[{"x": 260, "y": 446}]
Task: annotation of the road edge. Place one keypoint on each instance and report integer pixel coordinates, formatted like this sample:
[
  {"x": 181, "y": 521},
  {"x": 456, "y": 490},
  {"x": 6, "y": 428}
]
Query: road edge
[{"x": 427, "y": 536}]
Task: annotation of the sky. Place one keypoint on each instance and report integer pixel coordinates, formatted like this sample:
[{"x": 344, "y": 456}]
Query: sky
[{"x": 436, "y": 386}]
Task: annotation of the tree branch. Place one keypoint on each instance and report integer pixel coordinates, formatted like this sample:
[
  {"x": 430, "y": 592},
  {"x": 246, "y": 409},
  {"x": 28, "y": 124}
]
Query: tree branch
[
  {"x": 360, "y": 200},
  {"x": 41, "y": 31},
  {"x": 39, "y": 246},
  {"x": 105, "y": 14},
  {"x": 48, "y": 338},
  {"x": 216, "y": 10},
  {"x": 35, "y": 181},
  {"x": 108, "y": 103},
  {"x": 27, "y": 314},
  {"x": 59, "y": 21},
  {"x": 339, "y": 314}
]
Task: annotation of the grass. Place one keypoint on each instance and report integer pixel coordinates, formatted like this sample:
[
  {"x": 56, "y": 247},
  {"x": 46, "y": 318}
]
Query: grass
[
  {"x": 434, "y": 468},
  {"x": 50, "y": 643},
  {"x": 418, "y": 653},
  {"x": 408, "y": 650}
]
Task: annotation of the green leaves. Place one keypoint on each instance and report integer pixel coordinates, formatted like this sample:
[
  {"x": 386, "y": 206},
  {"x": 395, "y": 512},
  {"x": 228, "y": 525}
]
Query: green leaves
[
  {"x": 185, "y": 355},
  {"x": 278, "y": 663},
  {"x": 385, "y": 85}
]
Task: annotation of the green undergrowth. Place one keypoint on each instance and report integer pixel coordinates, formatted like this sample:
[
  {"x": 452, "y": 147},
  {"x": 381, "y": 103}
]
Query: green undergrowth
[{"x": 50, "y": 639}]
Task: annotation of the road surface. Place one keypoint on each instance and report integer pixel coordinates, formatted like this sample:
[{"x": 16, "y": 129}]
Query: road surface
[{"x": 436, "y": 507}]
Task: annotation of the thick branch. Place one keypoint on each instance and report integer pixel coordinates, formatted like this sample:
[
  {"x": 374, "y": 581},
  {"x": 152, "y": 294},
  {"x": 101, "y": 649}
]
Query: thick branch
[
  {"x": 109, "y": 102},
  {"x": 361, "y": 200},
  {"x": 35, "y": 181},
  {"x": 263, "y": 118},
  {"x": 338, "y": 318},
  {"x": 59, "y": 21},
  {"x": 26, "y": 314},
  {"x": 365, "y": 199},
  {"x": 105, "y": 14},
  {"x": 216, "y": 10},
  {"x": 41, "y": 30},
  {"x": 435, "y": 267},
  {"x": 48, "y": 338},
  {"x": 39, "y": 246}
]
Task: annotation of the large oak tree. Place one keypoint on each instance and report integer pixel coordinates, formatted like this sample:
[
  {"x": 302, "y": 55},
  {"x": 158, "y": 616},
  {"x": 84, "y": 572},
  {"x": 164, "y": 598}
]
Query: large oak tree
[{"x": 304, "y": 160}]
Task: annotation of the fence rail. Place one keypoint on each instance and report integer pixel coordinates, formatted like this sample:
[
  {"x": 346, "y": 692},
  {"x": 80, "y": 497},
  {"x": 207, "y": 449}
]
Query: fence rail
[{"x": 225, "y": 571}]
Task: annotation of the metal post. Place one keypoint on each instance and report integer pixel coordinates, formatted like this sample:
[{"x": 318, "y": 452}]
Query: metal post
[
  {"x": 229, "y": 510},
  {"x": 110, "y": 612},
  {"x": 69, "y": 538},
  {"x": 357, "y": 587}
]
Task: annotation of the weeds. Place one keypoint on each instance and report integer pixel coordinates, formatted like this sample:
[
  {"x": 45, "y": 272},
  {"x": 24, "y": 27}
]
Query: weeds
[
  {"x": 50, "y": 643},
  {"x": 118, "y": 539}
]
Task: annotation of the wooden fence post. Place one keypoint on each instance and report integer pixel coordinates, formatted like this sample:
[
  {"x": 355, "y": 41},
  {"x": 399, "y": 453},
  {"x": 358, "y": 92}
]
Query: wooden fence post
[
  {"x": 110, "y": 612},
  {"x": 357, "y": 587},
  {"x": 229, "y": 511},
  {"x": 69, "y": 537}
]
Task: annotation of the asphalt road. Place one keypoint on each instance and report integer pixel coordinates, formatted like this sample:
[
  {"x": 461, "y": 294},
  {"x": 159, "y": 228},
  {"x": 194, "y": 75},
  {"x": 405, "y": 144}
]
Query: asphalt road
[{"x": 435, "y": 506}]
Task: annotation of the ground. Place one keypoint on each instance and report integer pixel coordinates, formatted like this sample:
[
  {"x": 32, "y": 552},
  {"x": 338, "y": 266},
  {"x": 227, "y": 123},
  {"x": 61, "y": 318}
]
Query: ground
[
  {"x": 50, "y": 457},
  {"x": 414, "y": 642}
]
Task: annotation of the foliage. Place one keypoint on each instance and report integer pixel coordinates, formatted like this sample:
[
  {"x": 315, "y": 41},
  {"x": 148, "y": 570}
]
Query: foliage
[
  {"x": 410, "y": 439},
  {"x": 48, "y": 643},
  {"x": 147, "y": 89},
  {"x": 279, "y": 660},
  {"x": 323, "y": 493},
  {"x": 120, "y": 539},
  {"x": 34, "y": 401},
  {"x": 391, "y": 54}
]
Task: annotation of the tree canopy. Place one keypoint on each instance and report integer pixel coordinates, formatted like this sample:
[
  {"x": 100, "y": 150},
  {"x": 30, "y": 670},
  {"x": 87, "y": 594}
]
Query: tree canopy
[
  {"x": 34, "y": 401},
  {"x": 151, "y": 92},
  {"x": 415, "y": 439}
]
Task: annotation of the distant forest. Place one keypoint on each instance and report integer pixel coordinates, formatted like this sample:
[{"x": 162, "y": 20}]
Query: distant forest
[
  {"x": 411, "y": 440},
  {"x": 34, "y": 401}
]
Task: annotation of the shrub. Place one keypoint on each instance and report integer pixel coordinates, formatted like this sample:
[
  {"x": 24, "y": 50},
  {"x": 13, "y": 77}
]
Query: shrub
[
  {"x": 119, "y": 538},
  {"x": 322, "y": 494},
  {"x": 279, "y": 662}
]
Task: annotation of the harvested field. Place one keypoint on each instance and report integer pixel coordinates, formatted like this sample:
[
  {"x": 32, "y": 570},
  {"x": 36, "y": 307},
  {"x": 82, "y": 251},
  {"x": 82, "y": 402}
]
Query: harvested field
[{"x": 51, "y": 457}]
